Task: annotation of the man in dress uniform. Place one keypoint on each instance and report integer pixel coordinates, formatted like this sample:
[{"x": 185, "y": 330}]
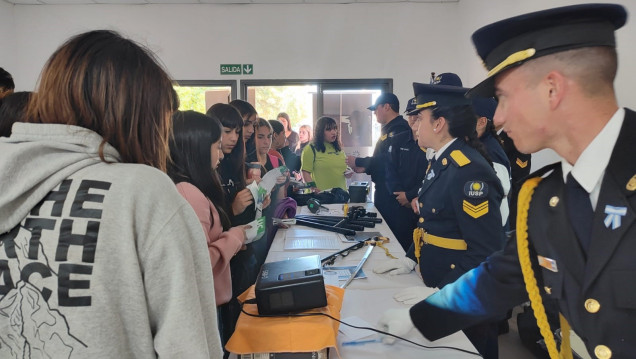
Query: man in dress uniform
[
  {"x": 387, "y": 170},
  {"x": 552, "y": 72}
]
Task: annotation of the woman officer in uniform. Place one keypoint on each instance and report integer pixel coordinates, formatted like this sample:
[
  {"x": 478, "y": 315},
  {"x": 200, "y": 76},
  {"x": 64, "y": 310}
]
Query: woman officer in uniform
[{"x": 459, "y": 221}]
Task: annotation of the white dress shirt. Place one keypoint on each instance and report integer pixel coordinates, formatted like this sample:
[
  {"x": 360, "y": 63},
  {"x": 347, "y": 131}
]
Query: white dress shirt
[{"x": 590, "y": 166}]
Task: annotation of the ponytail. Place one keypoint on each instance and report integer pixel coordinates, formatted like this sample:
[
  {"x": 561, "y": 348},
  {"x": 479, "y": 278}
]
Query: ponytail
[
  {"x": 490, "y": 128},
  {"x": 474, "y": 142}
]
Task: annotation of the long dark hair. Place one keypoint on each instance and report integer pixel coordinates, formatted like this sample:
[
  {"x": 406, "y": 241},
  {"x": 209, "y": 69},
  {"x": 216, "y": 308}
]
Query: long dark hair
[
  {"x": 286, "y": 117},
  {"x": 244, "y": 108},
  {"x": 490, "y": 129},
  {"x": 193, "y": 135},
  {"x": 462, "y": 123},
  {"x": 231, "y": 118},
  {"x": 325, "y": 123},
  {"x": 106, "y": 83}
]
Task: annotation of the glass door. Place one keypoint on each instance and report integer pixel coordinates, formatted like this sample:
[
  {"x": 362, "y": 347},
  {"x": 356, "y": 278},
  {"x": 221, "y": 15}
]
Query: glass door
[{"x": 359, "y": 130}]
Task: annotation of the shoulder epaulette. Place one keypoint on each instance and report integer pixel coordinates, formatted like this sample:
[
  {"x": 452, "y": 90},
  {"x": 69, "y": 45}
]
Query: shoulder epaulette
[{"x": 459, "y": 158}]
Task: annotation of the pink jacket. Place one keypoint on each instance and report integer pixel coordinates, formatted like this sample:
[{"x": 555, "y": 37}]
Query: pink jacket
[{"x": 222, "y": 246}]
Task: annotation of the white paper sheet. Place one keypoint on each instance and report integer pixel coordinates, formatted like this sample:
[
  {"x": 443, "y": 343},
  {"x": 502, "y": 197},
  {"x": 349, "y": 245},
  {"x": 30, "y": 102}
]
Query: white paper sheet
[{"x": 312, "y": 242}]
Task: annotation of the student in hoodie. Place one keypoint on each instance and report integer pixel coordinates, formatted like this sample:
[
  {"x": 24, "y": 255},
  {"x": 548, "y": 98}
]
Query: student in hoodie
[{"x": 88, "y": 218}]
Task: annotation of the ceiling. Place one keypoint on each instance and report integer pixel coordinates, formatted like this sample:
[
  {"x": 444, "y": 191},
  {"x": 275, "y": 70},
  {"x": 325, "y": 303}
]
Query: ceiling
[{"x": 141, "y": 2}]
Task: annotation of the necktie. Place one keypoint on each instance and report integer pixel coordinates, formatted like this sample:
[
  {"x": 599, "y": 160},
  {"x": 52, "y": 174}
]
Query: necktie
[
  {"x": 580, "y": 211},
  {"x": 430, "y": 164}
]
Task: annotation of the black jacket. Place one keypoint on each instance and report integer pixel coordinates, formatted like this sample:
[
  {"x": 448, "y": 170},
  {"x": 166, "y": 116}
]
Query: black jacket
[{"x": 386, "y": 156}]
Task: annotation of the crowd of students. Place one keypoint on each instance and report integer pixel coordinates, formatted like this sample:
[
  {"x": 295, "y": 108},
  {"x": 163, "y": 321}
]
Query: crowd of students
[{"x": 116, "y": 170}]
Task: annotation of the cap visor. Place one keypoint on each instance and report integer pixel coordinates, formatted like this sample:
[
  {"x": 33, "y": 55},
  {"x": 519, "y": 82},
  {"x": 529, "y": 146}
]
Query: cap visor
[
  {"x": 485, "y": 88},
  {"x": 372, "y": 108}
]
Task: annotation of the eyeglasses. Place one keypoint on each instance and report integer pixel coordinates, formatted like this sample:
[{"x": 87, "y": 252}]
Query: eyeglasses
[{"x": 331, "y": 259}]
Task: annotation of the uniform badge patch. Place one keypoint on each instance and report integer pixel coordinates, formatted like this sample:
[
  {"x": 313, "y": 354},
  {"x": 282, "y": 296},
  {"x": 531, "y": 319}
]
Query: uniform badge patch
[
  {"x": 477, "y": 210},
  {"x": 383, "y": 137},
  {"x": 475, "y": 189},
  {"x": 522, "y": 164},
  {"x": 548, "y": 263}
]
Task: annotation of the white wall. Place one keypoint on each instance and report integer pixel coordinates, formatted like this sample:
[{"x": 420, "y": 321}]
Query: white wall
[
  {"x": 282, "y": 41},
  {"x": 403, "y": 41},
  {"x": 7, "y": 41}
]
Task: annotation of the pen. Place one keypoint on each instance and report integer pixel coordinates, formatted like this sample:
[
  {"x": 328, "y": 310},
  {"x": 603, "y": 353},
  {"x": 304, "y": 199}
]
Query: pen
[{"x": 361, "y": 342}]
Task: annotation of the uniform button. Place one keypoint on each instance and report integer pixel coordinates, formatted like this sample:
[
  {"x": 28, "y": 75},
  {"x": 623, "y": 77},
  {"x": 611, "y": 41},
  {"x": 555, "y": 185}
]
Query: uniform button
[
  {"x": 554, "y": 201},
  {"x": 421, "y": 205},
  {"x": 452, "y": 266},
  {"x": 592, "y": 305},
  {"x": 602, "y": 352},
  {"x": 421, "y": 220},
  {"x": 548, "y": 290},
  {"x": 433, "y": 210},
  {"x": 444, "y": 162}
]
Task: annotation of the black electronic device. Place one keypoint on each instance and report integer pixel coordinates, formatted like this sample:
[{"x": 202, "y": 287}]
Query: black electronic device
[
  {"x": 290, "y": 286},
  {"x": 315, "y": 206},
  {"x": 358, "y": 192}
]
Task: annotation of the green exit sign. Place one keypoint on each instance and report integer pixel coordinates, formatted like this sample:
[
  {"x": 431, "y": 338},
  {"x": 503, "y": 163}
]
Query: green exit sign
[
  {"x": 237, "y": 69},
  {"x": 231, "y": 69}
]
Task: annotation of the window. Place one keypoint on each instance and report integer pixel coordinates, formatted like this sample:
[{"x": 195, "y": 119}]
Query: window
[{"x": 201, "y": 95}]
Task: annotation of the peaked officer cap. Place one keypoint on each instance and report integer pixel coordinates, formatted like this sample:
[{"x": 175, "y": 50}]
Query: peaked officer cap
[{"x": 511, "y": 42}]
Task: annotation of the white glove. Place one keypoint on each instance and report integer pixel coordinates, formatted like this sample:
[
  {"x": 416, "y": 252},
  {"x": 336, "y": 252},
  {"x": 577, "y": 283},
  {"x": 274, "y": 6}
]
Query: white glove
[
  {"x": 395, "y": 321},
  {"x": 412, "y": 295},
  {"x": 396, "y": 266}
]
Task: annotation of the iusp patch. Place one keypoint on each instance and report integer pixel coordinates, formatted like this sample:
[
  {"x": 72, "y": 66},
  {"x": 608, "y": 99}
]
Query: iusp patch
[{"x": 475, "y": 189}]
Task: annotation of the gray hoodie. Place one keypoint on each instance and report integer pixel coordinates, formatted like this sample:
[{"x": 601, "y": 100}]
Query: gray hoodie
[{"x": 97, "y": 259}]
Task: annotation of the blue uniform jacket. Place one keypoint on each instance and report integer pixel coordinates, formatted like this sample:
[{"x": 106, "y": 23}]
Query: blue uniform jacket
[
  {"x": 497, "y": 155},
  {"x": 412, "y": 170},
  {"x": 606, "y": 277},
  {"x": 495, "y": 150},
  {"x": 385, "y": 164},
  {"x": 459, "y": 201},
  {"x": 388, "y": 172}
]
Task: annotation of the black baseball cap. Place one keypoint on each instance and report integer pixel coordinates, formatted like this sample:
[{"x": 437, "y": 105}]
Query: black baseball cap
[
  {"x": 511, "y": 42},
  {"x": 386, "y": 97}
]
